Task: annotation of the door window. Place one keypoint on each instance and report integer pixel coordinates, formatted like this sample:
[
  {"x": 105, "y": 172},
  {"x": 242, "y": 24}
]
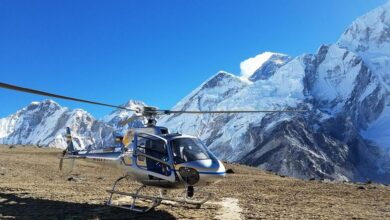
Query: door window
[{"x": 153, "y": 155}]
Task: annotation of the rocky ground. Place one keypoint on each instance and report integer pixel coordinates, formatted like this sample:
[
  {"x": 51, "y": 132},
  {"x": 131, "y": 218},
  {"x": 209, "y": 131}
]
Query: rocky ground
[{"x": 31, "y": 187}]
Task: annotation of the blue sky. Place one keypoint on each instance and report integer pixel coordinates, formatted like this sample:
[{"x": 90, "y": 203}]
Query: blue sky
[{"x": 154, "y": 51}]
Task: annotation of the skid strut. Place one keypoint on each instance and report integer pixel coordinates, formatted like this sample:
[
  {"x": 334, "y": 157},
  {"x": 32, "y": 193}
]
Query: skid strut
[{"x": 155, "y": 200}]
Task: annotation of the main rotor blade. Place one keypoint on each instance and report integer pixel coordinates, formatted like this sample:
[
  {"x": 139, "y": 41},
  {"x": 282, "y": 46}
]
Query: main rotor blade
[
  {"x": 38, "y": 92},
  {"x": 224, "y": 112}
]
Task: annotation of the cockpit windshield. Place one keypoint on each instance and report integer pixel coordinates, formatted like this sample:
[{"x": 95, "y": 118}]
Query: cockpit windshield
[{"x": 188, "y": 149}]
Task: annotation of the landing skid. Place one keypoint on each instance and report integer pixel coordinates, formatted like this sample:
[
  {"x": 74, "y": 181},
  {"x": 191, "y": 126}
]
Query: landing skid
[{"x": 154, "y": 200}]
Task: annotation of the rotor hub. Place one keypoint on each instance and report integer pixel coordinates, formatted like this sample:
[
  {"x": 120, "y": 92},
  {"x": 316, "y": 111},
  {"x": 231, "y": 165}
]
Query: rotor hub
[{"x": 150, "y": 114}]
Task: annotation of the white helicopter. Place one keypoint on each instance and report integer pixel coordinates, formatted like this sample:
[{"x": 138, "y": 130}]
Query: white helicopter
[{"x": 153, "y": 157}]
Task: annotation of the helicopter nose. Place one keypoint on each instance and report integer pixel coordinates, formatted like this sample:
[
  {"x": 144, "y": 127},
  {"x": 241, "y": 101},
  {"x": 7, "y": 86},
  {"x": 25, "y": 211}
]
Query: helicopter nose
[
  {"x": 210, "y": 171},
  {"x": 214, "y": 175}
]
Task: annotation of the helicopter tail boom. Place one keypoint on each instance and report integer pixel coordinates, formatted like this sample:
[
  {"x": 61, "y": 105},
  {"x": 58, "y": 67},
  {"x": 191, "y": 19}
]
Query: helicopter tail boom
[{"x": 108, "y": 156}]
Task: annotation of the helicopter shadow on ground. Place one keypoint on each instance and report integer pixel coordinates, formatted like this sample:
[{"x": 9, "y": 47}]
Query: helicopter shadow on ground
[{"x": 23, "y": 207}]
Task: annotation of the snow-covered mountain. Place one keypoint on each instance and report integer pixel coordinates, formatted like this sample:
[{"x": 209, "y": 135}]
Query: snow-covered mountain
[
  {"x": 345, "y": 88},
  {"x": 44, "y": 123},
  {"x": 344, "y": 135},
  {"x": 263, "y": 65}
]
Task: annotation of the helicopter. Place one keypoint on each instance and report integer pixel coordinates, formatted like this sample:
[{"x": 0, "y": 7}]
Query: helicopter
[{"x": 152, "y": 156}]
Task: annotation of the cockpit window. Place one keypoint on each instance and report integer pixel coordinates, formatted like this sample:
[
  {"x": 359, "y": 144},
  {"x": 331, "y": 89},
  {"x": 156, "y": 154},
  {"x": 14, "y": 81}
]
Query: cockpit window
[{"x": 188, "y": 149}]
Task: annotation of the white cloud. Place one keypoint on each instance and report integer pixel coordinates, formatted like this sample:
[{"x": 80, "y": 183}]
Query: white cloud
[{"x": 249, "y": 66}]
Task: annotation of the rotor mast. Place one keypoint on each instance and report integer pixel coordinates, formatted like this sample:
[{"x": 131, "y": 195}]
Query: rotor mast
[{"x": 150, "y": 113}]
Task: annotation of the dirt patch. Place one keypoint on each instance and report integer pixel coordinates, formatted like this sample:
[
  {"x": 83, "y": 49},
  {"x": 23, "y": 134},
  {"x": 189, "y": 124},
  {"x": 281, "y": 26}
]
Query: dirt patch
[{"x": 230, "y": 209}]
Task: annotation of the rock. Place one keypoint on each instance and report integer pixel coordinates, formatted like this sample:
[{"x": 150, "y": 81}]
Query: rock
[
  {"x": 229, "y": 171},
  {"x": 74, "y": 179},
  {"x": 368, "y": 182}
]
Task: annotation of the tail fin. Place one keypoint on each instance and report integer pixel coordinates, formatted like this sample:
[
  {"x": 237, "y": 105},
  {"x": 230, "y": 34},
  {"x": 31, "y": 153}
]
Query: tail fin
[
  {"x": 67, "y": 167},
  {"x": 69, "y": 142}
]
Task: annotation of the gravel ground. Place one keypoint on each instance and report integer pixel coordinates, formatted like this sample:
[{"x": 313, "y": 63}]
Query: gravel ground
[{"x": 31, "y": 187}]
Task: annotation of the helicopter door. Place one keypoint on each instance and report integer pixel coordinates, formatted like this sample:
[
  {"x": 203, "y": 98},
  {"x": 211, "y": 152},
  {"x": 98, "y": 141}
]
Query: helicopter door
[{"x": 152, "y": 156}]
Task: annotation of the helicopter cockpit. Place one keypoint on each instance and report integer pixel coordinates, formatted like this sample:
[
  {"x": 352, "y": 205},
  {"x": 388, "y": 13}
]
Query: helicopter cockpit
[
  {"x": 188, "y": 149},
  {"x": 183, "y": 148},
  {"x": 160, "y": 155}
]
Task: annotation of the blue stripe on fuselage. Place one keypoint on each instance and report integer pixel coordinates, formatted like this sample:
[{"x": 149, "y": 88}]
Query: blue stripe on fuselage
[
  {"x": 214, "y": 173},
  {"x": 103, "y": 155},
  {"x": 208, "y": 172}
]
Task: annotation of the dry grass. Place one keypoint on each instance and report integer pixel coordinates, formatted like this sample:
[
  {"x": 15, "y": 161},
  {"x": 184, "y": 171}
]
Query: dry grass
[{"x": 32, "y": 188}]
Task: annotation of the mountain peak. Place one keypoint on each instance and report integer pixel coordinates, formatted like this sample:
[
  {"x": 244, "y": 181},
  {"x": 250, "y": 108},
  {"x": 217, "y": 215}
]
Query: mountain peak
[
  {"x": 370, "y": 32},
  {"x": 269, "y": 67},
  {"x": 252, "y": 67},
  {"x": 35, "y": 103},
  {"x": 45, "y": 104},
  {"x": 119, "y": 115},
  {"x": 132, "y": 103},
  {"x": 218, "y": 78},
  {"x": 369, "y": 37}
]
